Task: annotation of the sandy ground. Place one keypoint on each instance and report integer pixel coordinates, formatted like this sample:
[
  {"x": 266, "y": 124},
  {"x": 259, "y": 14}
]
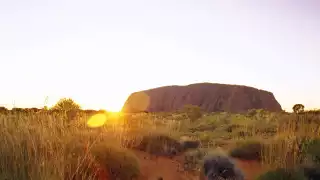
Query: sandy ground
[
  {"x": 171, "y": 169},
  {"x": 251, "y": 169},
  {"x": 152, "y": 168}
]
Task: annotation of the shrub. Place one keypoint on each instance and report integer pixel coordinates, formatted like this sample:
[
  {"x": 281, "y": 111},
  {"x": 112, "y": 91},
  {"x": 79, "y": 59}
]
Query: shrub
[
  {"x": 311, "y": 148},
  {"x": 159, "y": 144},
  {"x": 79, "y": 163},
  {"x": 249, "y": 150},
  {"x": 193, "y": 112},
  {"x": 193, "y": 159},
  {"x": 3, "y": 109},
  {"x": 218, "y": 166},
  {"x": 120, "y": 163},
  {"x": 66, "y": 104},
  {"x": 311, "y": 172},
  {"x": 100, "y": 161},
  {"x": 188, "y": 143},
  {"x": 282, "y": 174}
]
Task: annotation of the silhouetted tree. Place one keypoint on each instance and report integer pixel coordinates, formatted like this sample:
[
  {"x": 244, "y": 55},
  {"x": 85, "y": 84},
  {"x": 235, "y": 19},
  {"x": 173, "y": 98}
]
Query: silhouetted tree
[
  {"x": 66, "y": 104},
  {"x": 90, "y": 111},
  {"x": 3, "y": 109},
  {"x": 298, "y": 108},
  {"x": 18, "y": 110},
  {"x": 32, "y": 110},
  {"x": 102, "y": 111}
]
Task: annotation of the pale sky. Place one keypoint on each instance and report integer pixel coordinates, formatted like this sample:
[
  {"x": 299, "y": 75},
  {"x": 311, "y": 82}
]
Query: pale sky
[{"x": 99, "y": 51}]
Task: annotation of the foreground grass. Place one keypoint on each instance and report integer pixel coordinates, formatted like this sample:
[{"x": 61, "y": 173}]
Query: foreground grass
[{"x": 46, "y": 145}]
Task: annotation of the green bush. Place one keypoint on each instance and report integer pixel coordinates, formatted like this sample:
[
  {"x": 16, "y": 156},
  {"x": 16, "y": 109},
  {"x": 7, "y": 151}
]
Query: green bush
[
  {"x": 282, "y": 174},
  {"x": 249, "y": 150}
]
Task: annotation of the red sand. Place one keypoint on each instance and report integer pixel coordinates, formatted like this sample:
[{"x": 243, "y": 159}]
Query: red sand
[
  {"x": 251, "y": 169},
  {"x": 168, "y": 169},
  {"x": 171, "y": 169}
]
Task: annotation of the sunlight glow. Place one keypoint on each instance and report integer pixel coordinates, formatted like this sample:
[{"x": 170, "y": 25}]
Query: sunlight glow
[
  {"x": 97, "y": 120},
  {"x": 114, "y": 115}
]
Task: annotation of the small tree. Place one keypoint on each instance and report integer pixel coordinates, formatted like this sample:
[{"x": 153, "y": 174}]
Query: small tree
[
  {"x": 298, "y": 108},
  {"x": 66, "y": 104},
  {"x": 193, "y": 112}
]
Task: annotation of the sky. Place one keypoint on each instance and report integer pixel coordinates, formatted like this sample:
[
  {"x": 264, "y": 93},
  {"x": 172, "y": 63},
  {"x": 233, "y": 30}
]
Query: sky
[{"x": 99, "y": 51}]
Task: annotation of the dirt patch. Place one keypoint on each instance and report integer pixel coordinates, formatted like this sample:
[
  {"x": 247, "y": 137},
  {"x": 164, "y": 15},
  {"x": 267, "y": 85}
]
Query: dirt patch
[{"x": 154, "y": 167}]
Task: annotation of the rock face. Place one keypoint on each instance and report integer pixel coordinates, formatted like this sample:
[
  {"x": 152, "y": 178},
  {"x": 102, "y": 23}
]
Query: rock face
[{"x": 210, "y": 97}]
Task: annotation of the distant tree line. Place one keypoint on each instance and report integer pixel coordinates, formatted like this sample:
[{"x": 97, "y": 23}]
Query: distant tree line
[
  {"x": 193, "y": 112},
  {"x": 63, "y": 105}
]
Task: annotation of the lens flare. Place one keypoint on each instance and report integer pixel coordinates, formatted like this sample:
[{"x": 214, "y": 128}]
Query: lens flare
[{"x": 97, "y": 120}]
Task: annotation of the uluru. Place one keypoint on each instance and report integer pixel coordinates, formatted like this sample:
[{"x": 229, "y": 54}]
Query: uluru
[{"x": 211, "y": 97}]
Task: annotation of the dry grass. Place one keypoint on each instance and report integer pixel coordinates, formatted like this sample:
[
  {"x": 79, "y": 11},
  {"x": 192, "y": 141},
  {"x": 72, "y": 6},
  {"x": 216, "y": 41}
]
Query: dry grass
[{"x": 42, "y": 145}]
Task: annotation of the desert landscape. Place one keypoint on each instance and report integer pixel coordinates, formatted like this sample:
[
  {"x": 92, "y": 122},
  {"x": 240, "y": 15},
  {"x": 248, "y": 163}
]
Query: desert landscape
[
  {"x": 170, "y": 142},
  {"x": 159, "y": 90}
]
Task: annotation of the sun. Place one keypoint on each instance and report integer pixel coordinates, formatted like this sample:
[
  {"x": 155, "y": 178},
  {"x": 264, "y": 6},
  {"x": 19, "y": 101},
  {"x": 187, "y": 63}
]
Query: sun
[
  {"x": 114, "y": 104},
  {"x": 114, "y": 109},
  {"x": 101, "y": 119}
]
